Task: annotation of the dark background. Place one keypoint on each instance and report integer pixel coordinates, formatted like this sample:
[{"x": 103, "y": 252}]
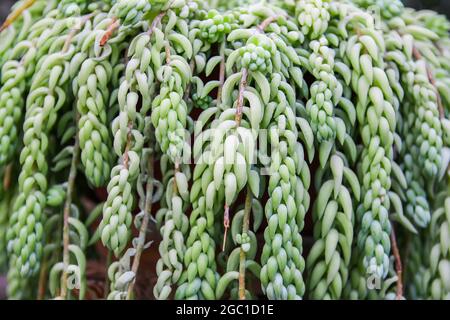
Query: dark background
[
  {"x": 4, "y": 8},
  {"x": 442, "y": 6}
]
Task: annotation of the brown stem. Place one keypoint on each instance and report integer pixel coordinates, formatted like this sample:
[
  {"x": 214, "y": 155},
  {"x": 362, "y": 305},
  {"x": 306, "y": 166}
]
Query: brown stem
[
  {"x": 157, "y": 20},
  {"x": 67, "y": 206},
  {"x": 239, "y": 110},
  {"x": 126, "y": 157},
  {"x": 16, "y": 14},
  {"x": 144, "y": 225},
  {"x": 240, "y": 100},
  {"x": 115, "y": 24},
  {"x": 418, "y": 56},
  {"x": 74, "y": 31},
  {"x": 148, "y": 201},
  {"x": 107, "y": 283},
  {"x": 168, "y": 55},
  {"x": 407, "y": 250},
  {"x": 177, "y": 169},
  {"x": 242, "y": 256},
  {"x": 42, "y": 285},
  {"x": 226, "y": 224},
  {"x": 69, "y": 40},
  {"x": 260, "y": 28},
  {"x": 7, "y": 177},
  {"x": 398, "y": 265}
]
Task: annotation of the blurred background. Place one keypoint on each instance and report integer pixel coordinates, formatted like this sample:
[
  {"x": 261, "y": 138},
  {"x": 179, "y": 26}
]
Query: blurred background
[
  {"x": 4, "y": 8},
  {"x": 442, "y": 6}
]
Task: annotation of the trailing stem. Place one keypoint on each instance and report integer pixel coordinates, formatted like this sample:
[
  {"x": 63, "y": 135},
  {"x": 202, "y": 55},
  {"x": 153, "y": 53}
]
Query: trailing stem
[
  {"x": 240, "y": 100},
  {"x": 398, "y": 266},
  {"x": 7, "y": 177},
  {"x": 42, "y": 285},
  {"x": 107, "y": 282},
  {"x": 237, "y": 118},
  {"x": 16, "y": 14},
  {"x": 67, "y": 207},
  {"x": 115, "y": 24},
  {"x": 144, "y": 225},
  {"x": 242, "y": 256}
]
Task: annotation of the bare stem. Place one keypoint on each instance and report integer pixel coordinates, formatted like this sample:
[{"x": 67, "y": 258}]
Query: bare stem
[
  {"x": 238, "y": 117},
  {"x": 67, "y": 206},
  {"x": 176, "y": 170},
  {"x": 16, "y": 14},
  {"x": 149, "y": 187},
  {"x": 168, "y": 56},
  {"x": 226, "y": 224},
  {"x": 42, "y": 285},
  {"x": 115, "y": 24},
  {"x": 7, "y": 177},
  {"x": 398, "y": 265},
  {"x": 242, "y": 85},
  {"x": 156, "y": 21},
  {"x": 108, "y": 263},
  {"x": 242, "y": 256},
  {"x": 240, "y": 100},
  {"x": 74, "y": 31},
  {"x": 126, "y": 157},
  {"x": 260, "y": 28},
  {"x": 144, "y": 225}
]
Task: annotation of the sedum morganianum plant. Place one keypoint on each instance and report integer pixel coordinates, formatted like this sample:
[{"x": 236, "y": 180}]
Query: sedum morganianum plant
[{"x": 283, "y": 150}]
